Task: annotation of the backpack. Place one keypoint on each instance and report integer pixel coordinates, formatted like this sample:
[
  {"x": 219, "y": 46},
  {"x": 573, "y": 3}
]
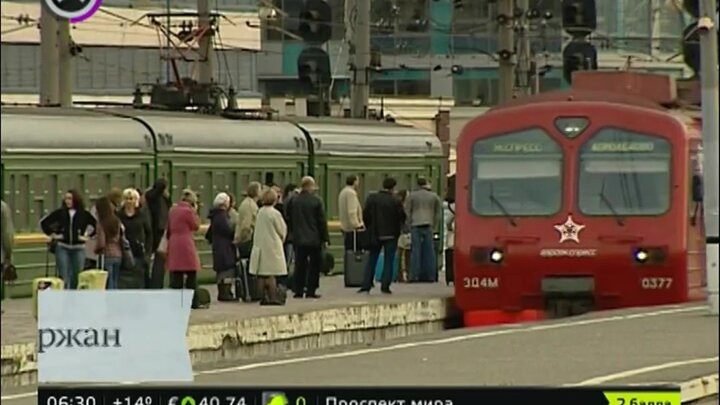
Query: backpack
[{"x": 202, "y": 298}]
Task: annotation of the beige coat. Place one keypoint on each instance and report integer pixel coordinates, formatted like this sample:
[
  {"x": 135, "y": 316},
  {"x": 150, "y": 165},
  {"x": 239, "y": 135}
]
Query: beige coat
[
  {"x": 349, "y": 210},
  {"x": 246, "y": 217},
  {"x": 268, "y": 256}
]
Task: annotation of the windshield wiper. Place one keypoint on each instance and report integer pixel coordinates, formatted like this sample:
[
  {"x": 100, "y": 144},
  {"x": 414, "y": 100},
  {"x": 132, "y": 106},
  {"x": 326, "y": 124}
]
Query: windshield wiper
[
  {"x": 500, "y": 205},
  {"x": 604, "y": 198}
]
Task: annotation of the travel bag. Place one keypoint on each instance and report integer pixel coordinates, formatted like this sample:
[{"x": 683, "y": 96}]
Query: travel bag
[
  {"x": 355, "y": 263},
  {"x": 44, "y": 283}
]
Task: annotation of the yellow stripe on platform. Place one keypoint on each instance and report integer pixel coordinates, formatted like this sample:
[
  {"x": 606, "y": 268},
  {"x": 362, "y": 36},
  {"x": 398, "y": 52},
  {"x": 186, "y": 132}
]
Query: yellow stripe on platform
[{"x": 39, "y": 238}]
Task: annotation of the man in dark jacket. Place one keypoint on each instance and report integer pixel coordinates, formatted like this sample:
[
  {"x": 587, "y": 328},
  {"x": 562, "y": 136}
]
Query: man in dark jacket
[
  {"x": 158, "y": 204},
  {"x": 384, "y": 217},
  {"x": 306, "y": 221}
]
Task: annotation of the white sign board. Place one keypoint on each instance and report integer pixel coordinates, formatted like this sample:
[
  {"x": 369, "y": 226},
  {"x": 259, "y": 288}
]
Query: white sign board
[{"x": 113, "y": 336}]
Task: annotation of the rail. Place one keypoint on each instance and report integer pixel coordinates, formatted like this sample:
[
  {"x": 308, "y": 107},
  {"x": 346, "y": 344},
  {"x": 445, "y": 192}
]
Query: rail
[{"x": 36, "y": 238}]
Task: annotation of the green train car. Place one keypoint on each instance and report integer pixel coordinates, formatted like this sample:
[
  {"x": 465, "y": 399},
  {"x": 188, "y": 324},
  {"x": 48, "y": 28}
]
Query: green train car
[{"x": 46, "y": 151}]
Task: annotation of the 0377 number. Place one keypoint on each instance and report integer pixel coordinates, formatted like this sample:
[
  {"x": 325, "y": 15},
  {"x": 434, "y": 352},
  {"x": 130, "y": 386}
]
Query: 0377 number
[{"x": 656, "y": 283}]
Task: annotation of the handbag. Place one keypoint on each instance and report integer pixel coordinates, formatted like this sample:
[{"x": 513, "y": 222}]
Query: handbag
[{"x": 127, "y": 260}]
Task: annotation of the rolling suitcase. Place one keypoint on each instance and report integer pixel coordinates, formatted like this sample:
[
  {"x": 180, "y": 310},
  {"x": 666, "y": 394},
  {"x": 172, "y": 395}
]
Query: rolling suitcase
[
  {"x": 355, "y": 263},
  {"x": 44, "y": 283},
  {"x": 245, "y": 283},
  {"x": 95, "y": 279}
]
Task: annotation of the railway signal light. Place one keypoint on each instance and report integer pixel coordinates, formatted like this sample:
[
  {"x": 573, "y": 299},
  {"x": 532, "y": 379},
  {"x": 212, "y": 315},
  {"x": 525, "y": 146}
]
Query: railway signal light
[
  {"x": 315, "y": 22},
  {"x": 579, "y": 17},
  {"x": 578, "y": 55},
  {"x": 313, "y": 66}
]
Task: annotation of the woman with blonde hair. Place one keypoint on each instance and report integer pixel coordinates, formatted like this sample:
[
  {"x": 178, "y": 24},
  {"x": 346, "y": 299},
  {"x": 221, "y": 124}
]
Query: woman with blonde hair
[
  {"x": 138, "y": 232},
  {"x": 267, "y": 258}
]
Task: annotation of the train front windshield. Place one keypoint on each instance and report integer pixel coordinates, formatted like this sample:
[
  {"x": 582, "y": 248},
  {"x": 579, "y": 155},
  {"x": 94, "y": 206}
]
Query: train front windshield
[
  {"x": 623, "y": 174},
  {"x": 517, "y": 174}
]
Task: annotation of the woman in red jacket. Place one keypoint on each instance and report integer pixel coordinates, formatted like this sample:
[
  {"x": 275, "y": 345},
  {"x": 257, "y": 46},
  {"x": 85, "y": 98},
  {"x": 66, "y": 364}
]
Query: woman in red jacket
[{"x": 183, "y": 261}]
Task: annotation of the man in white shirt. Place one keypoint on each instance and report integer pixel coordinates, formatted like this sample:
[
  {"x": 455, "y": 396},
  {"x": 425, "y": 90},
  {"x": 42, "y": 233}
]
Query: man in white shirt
[{"x": 350, "y": 211}]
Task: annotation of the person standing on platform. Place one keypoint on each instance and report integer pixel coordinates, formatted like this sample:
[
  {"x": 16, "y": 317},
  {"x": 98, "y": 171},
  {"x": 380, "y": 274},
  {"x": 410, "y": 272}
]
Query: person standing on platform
[
  {"x": 66, "y": 227},
  {"x": 403, "y": 243},
  {"x": 247, "y": 214},
  {"x": 267, "y": 260},
  {"x": 350, "y": 212},
  {"x": 108, "y": 245},
  {"x": 6, "y": 245},
  {"x": 220, "y": 235},
  {"x": 289, "y": 193},
  {"x": 310, "y": 234},
  {"x": 157, "y": 200},
  {"x": 384, "y": 218},
  {"x": 138, "y": 232},
  {"x": 183, "y": 262},
  {"x": 424, "y": 210}
]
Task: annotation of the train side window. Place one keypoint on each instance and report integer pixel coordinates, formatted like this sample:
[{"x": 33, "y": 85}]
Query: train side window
[
  {"x": 516, "y": 174},
  {"x": 269, "y": 178},
  {"x": 624, "y": 173}
]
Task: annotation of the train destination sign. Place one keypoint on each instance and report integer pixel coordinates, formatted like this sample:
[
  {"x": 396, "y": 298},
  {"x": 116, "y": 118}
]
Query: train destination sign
[
  {"x": 623, "y": 147},
  {"x": 518, "y": 147},
  {"x": 620, "y": 141},
  {"x": 521, "y": 143}
]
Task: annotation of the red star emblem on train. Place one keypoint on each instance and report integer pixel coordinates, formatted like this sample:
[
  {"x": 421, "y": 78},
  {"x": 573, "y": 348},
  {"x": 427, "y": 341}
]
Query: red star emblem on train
[{"x": 569, "y": 231}]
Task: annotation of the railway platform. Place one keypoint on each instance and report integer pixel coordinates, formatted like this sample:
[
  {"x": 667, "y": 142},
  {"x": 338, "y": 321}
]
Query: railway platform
[{"x": 240, "y": 331}]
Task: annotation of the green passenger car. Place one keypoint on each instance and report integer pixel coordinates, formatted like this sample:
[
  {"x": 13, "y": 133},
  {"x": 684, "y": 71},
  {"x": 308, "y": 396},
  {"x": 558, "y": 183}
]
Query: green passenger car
[
  {"x": 47, "y": 151},
  {"x": 371, "y": 150}
]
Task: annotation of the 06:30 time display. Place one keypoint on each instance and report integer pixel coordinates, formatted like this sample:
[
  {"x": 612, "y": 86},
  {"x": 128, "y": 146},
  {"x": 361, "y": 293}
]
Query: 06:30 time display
[{"x": 71, "y": 400}]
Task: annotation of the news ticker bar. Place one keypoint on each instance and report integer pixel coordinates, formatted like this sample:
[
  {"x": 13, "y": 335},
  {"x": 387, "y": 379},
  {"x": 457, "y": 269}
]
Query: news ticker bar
[{"x": 129, "y": 395}]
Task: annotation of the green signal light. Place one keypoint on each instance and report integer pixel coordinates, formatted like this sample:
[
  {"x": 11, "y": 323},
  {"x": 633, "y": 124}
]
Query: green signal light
[{"x": 187, "y": 401}]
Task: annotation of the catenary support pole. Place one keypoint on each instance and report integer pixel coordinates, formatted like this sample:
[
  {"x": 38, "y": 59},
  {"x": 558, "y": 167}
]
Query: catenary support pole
[
  {"x": 64, "y": 63},
  {"x": 524, "y": 59},
  {"x": 506, "y": 41},
  {"x": 360, "y": 91},
  {"x": 206, "y": 45},
  {"x": 48, "y": 58},
  {"x": 707, "y": 25}
]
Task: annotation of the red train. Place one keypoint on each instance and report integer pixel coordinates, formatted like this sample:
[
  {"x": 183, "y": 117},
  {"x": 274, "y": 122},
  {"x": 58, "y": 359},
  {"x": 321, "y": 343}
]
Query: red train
[{"x": 579, "y": 200}]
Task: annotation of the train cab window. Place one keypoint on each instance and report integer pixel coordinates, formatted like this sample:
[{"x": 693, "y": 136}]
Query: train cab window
[
  {"x": 517, "y": 174},
  {"x": 624, "y": 173}
]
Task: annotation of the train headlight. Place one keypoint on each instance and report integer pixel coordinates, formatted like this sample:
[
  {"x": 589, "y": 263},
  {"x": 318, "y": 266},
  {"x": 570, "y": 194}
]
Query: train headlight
[
  {"x": 496, "y": 256},
  {"x": 649, "y": 255},
  {"x": 641, "y": 255}
]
